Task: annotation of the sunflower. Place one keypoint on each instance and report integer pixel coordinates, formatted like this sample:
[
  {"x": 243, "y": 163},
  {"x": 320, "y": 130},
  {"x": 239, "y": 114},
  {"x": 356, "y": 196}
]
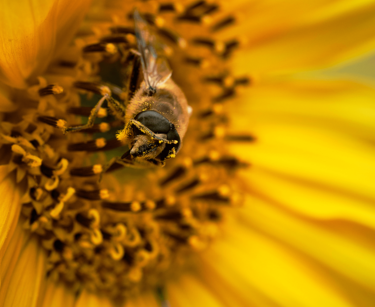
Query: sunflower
[{"x": 269, "y": 201}]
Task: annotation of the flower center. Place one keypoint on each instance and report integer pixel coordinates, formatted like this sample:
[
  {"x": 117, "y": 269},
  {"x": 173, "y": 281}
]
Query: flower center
[{"x": 113, "y": 230}]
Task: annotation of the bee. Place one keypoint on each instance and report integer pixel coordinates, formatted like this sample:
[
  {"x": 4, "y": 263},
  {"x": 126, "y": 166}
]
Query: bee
[{"x": 157, "y": 116}]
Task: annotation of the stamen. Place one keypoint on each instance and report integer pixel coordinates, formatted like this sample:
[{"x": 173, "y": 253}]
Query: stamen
[
  {"x": 188, "y": 186},
  {"x": 171, "y": 7},
  {"x": 95, "y": 145},
  {"x": 93, "y": 195},
  {"x": 92, "y": 87},
  {"x": 100, "y": 47},
  {"x": 173, "y": 37},
  {"x": 53, "y": 121},
  {"x": 87, "y": 171},
  {"x": 180, "y": 171},
  {"x": 86, "y": 111},
  {"x": 223, "y": 23},
  {"x": 240, "y": 138},
  {"x": 51, "y": 89}
]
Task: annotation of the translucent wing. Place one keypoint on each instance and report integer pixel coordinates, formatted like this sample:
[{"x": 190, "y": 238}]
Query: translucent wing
[{"x": 156, "y": 70}]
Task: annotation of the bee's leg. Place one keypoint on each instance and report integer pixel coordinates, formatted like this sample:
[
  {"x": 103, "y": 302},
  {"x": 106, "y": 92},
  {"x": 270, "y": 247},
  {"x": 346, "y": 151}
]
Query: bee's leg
[
  {"x": 91, "y": 119},
  {"x": 118, "y": 108},
  {"x": 150, "y": 133},
  {"x": 132, "y": 70}
]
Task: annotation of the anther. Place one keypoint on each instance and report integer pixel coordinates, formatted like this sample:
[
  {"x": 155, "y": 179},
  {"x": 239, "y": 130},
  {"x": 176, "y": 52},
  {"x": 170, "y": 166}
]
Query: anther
[
  {"x": 122, "y": 30},
  {"x": 95, "y": 145},
  {"x": 101, "y": 47},
  {"x": 188, "y": 186},
  {"x": 214, "y": 196},
  {"x": 174, "y": 38},
  {"x": 87, "y": 171},
  {"x": 179, "y": 172},
  {"x": 116, "y": 251},
  {"x": 93, "y": 87},
  {"x": 226, "y": 94},
  {"x": 223, "y": 23},
  {"x": 53, "y": 121},
  {"x": 96, "y": 237},
  {"x": 171, "y": 7},
  {"x": 92, "y": 195},
  {"x": 51, "y": 89},
  {"x": 240, "y": 138}
]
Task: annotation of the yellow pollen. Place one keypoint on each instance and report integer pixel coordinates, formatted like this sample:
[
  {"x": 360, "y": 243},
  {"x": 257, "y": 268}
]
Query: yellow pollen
[
  {"x": 187, "y": 162},
  {"x": 229, "y": 81},
  {"x": 102, "y": 113},
  {"x": 57, "y": 89},
  {"x": 97, "y": 168},
  {"x": 104, "y": 194},
  {"x": 120, "y": 232},
  {"x": 186, "y": 212},
  {"x": 34, "y": 226},
  {"x": 105, "y": 90},
  {"x": 110, "y": 48},
  {"x": 135, "y": 206},
  {"x": 179, "y": 7},
  {"x": 62, "y": 166},
  {"x": 205, "y": 64},
  {"x": 219, "y": 47},
  {"x": 61, "y": 124},
  {"x": 104, "y": 127},
  {"x": 219, "y": 131},
  {"x": 224, "y": 190},
  {"x": 168, "y": 50},
  {"x": 204, "y": 176},
  {"x": 18, "y": 149},
  {"x": 159, "y": 22},
  {"x": 116, "y": 251},
  {"x": 96, "y": 237},
  {"x": 196, "y": 243},
  {"x": 217, "y": 108},
  {"x": 43, "y": 220},
  {"x": 214, "y": 155},
  {"x": 130, "y": 38},
  {"x": 206, "y": 20},
  {"x": 182, "y": 43},
  {"x": 101, "y": 142},
  {"x": 94, "y": 215},
  {"x": 52, "y": 183},
  {"x": 32, "y": 161},
  {"x": 55, "y": 212},
  {"x": 170, "y": 200},
  {"x": 150, "y": 204}
]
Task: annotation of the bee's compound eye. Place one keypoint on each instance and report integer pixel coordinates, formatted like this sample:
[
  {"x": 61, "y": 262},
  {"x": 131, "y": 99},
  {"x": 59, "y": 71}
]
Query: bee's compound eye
[{"x": 154, "y": 121}]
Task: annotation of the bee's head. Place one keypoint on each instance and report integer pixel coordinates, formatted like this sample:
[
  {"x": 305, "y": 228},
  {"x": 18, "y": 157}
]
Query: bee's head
[{"x": 161, "y": 127}]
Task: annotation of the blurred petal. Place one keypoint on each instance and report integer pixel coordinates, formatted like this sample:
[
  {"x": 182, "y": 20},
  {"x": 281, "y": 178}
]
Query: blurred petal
[
  {"x": 33, "y": 32},
  {"x": 10, "y": 207},
  {"x": 57, "y": 294},
  {"x": 22, "y": 285},
  {"x": 92, "y": 299},
  {"x": 296, "y": 40}
]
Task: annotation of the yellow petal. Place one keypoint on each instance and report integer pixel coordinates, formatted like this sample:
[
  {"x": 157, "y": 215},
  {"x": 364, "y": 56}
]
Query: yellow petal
[
  {"x": 32, "y": 33},
  {"x": 24, "y": 285},
  {"x": 189, "y": 291},
  {"x": 309, "y": 40},
  {"x": 313, "y": 148},
  {"x": 92, "y": 299},
  {"x": 339, "y": 250},
  {"x": 57, "y": 295},
  {"x": 255, "y": 263},
  {"x": 9, "y": 208}
]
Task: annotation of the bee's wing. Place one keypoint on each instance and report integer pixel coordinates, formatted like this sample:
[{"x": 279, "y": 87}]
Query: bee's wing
[{"x": 156, "y": 70}]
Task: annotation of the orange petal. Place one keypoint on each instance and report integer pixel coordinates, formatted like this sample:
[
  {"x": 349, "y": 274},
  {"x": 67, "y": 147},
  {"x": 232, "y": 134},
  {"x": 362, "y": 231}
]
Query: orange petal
[{"x": 33, "y": 32}]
